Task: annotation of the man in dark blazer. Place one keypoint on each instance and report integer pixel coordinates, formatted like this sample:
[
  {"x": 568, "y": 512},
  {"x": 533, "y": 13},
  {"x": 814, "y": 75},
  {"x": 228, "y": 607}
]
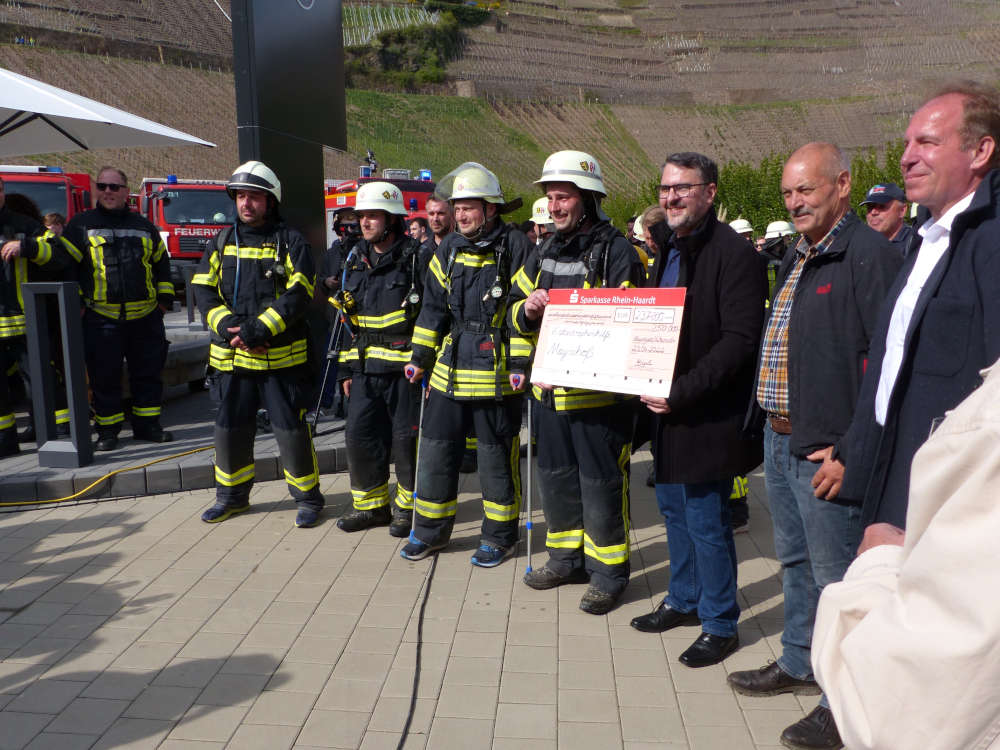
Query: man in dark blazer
[
  {"x": 941, "y": 322},
  {"x": 698, "y": 439}
]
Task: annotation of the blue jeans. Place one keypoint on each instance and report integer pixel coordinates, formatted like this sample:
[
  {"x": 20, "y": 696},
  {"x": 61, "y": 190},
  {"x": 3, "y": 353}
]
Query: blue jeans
[
  {"x": 702, "y": 553},
  {"x": 815, "y": 540}
]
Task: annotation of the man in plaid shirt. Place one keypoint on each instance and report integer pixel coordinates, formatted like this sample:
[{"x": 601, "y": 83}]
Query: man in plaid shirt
[{"x": 829, "y": 289}]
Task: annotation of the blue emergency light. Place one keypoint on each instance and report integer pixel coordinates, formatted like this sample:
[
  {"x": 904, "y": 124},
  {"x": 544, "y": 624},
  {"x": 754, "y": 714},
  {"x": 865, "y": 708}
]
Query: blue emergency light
[
  {"x": 424, "y": 175},
  {"x": 171, "y": 179},
  {"x": 413, "y": 204}
]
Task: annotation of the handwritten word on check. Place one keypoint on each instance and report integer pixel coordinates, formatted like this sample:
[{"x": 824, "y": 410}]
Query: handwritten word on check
[{"x": 617, "y": 340}]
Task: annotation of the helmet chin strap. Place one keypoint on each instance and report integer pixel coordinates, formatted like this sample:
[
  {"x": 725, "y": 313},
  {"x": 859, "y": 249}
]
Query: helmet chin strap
[{"x": 476, "y": 234}]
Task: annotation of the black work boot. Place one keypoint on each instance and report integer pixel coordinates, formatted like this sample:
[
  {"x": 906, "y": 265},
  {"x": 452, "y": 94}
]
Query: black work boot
[
  {"x": 151, "y": 432},
  {"x": 106, "y": 440},
  {"x": 358, "y": 520},
  {"x": 817, "y": 731},
  {"x": 402, "y": 522}
]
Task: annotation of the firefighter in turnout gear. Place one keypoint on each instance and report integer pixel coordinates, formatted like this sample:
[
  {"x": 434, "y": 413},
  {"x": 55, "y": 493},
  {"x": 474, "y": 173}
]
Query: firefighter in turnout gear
[
  {"x": 253, "y": 288},
  {"x": 462, "y": 325},
  {"x": 383, "y": 286},
  {"x": 584, "y": 437},
  {"x": 125, "y": 283},
  {"x": 21, "y": 240}
]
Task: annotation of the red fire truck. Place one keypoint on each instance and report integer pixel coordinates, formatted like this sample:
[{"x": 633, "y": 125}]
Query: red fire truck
[
  {"x": 340, "y": 194},
  {"x": 188, "y": 213},
  {"x": 51, "y": 189}
]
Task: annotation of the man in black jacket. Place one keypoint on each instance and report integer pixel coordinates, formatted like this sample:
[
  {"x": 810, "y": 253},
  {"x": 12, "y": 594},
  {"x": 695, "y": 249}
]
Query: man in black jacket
[
  {"x": 699, "y": 443},
  {"x": 814, "y": 353},
  {"x": 941, "y": 323},
  {"x": 125, "y": 285}
]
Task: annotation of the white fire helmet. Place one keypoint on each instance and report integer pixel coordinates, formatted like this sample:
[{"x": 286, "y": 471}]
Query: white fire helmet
[
  {"x": 470, "y": 180},
  {"x": 576, "y": 167},
  {"x": 778, "y": 229},
  {"x": 540, "y": 211},
  {"x": 380, "y": 196},
  {"x": 638, "y": 232},
  {"x": 254, "y": 175},
  {"x": 741, "y": 226}
]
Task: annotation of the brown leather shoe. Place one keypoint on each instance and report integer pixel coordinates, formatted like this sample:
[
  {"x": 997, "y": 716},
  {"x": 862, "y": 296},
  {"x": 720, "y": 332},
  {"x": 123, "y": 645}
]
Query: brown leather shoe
[
  {"x": 817, "y": 731},
  {"x": 770, "y": 680}
]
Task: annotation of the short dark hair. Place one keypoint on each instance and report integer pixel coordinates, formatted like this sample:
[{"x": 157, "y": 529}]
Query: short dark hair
[
  {"x": 690, "y": 160},
  {"x": 421, "y": 221},
  {"x": 980, "y": 113}
]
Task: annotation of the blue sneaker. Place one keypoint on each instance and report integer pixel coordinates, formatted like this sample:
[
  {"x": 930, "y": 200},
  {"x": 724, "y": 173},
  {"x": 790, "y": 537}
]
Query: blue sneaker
[
  {"x": 220, "y": 512},
  {"x": 489, "y": 556},
  {"x": 417, "y": 550},
  {"x": 307, "y": 517}
]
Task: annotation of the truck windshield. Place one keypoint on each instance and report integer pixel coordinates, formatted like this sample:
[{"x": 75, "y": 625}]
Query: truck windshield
[
  {"x": 197, "y": 207},
  {"x": 50, "y": 197}
]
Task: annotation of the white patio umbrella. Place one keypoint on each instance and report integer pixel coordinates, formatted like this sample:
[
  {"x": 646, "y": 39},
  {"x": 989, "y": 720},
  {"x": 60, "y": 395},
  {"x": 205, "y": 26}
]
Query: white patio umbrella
[{"x": 36, "y": 118}]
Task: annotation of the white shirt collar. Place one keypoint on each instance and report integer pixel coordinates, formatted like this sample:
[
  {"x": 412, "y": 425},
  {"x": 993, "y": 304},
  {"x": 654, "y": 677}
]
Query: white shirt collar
[{"x": 933, "y": 229}]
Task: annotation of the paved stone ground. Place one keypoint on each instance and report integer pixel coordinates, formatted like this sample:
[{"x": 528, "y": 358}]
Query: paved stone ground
[{"x": 131, "y": 624}]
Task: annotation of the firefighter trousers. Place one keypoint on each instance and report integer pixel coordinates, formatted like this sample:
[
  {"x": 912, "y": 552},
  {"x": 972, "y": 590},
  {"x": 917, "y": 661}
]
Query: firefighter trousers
[
  {"x": 583, "y": 478},
  {"x": 283, "y": 393},
  {"x": 497, "y": 425},
  {"x": 382, "y": 416},
  {"x": 10, "y": 356},
  {"x": 143, "y": 343}
]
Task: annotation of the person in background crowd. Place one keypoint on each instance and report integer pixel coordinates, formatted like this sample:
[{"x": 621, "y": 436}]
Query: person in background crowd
[
  {"x": 419, "y": 229},
  {"x": 886, "y": 205},
  {"x": 126, "y": 289},
  {"x": 55, "y": 223},
  {"x": 743, "y": 228}
]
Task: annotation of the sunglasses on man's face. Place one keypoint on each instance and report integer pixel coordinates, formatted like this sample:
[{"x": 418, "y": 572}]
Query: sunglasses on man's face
[{"x": 114, "y": 187}]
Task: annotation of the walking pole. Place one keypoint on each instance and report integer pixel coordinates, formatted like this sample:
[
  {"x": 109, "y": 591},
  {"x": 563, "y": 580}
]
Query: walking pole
[
  {"x": 528, "y": 523},
  {"x": 409, "y": 371},
  {"x": 332, "y": 354}
]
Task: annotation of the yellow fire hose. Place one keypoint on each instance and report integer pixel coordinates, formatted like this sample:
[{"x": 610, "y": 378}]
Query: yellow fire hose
[{"x": 106, "y": 477}]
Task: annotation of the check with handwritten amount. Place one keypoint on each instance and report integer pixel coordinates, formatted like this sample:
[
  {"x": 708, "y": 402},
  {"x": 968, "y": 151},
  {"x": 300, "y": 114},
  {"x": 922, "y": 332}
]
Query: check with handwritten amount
[{"x": 618, "y": 340}]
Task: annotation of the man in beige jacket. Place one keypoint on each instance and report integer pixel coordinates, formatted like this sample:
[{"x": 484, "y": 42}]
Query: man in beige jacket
[{"x": 907, "y": 646}]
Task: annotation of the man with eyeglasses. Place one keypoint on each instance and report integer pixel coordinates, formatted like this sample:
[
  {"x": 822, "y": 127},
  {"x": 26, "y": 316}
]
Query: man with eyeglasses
[
  {"x": 699, "y": 442},
  {"x": 124, "y": 276}
]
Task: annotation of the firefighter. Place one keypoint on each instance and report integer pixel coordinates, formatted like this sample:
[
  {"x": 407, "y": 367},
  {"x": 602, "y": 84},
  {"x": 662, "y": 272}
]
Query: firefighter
[
  {"x": 21, "y": 240},
  {"x": 253, "y": 287},
  {"x": 383, "y": 285},
  {"x": 584, "y": 437},
  {"x": 541, "y": 219},
  {"x": 126, "y": 288},
  {"x": 464, "y": 313}
]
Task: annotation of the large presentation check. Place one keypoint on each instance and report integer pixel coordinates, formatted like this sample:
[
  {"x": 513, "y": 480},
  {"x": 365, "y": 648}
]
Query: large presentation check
[{"x": 618, "y": 340}]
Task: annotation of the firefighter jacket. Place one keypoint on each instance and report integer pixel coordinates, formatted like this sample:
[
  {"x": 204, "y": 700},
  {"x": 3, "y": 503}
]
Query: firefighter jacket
[
  {"x": 42, "y": 250},
  {"x": 124, "y": 269},
  {"x": 381, "y": 298},
  {"x": 598, "y": 257},
  {"x": 259, "y": 280},
  {"x": 463, "y": 319}
]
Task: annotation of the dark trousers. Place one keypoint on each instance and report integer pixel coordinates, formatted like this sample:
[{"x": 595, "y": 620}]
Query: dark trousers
[
  {"x": 143, "y": 343},
  {"x": 382, "y": 416},
  {"x": 583, "y": 478},
  {"x": 11, "y": 353},
  {"x": 497, "y": 425},
  {"x": 283, "y": 393}
]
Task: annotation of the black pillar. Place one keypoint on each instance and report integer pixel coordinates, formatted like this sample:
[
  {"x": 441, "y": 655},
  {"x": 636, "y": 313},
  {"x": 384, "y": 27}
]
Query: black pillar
[{"x": 289, "y": 71}]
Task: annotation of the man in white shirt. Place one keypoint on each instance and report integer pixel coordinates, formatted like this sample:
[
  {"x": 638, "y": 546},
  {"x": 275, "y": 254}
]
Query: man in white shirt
[{"x": 940, "y": 324}]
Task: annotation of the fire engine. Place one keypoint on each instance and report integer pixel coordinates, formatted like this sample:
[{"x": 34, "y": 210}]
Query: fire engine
[
  {"x": 51, "y": 189},
  {"x": 341, "y": 194},
  {"x": 188, "y": 214}
]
